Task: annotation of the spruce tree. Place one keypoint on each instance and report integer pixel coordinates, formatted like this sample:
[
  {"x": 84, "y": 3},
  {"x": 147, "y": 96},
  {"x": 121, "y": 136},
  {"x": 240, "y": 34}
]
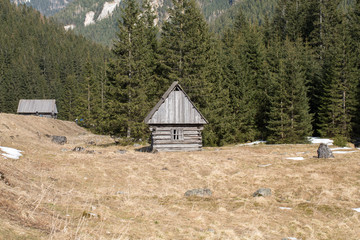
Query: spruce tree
[
  {"x": 185, "y": 50},
  {"x": 289, "y": 117},
  {"x": 353, "y": 31},
  {"x": 247, "y": 81},
  {"x": 337, "y": 102},
  {"x": 67, "y": 102},
  {"x": 222, "y": 127},
  {"x": 188, "y": 55},
  {"x": 153, "y": 82},
  {"x": 93, "y": 94},
  {"x": 127, "y": 75}
]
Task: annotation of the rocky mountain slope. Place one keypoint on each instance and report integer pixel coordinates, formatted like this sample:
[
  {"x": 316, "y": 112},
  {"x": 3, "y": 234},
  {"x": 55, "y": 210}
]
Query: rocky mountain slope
[
  {"x": 97, "y": 19},
  {"x": 46, "y": 7}
]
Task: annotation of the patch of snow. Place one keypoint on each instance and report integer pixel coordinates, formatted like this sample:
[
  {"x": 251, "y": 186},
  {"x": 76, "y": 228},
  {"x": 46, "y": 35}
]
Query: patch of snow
[
  {"x": 316, "y": 140},
  {"x": 344, "y": 152},
  {"x": 11, "y": 152},
  {"x": 264, "y": 165},
  {"x": 356, "y": 209},
  {"x": 89, "y": 18},
  {"x": 108, "y": 9},
  {"x": 156, "y": 21},
  {"x": 71, "y": 27},
  {"x": 295, "y": 158},
  {"x": 285, "y": 208},
  {"x": 252, "y": 143},
  {"x": 339, "y": 148},
  {"x": 155, "y": 4}
]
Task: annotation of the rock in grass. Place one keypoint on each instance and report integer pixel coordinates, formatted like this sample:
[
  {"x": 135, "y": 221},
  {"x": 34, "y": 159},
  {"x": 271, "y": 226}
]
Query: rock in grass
[
  {"x": 59, "y": 139},
  {"x": 324, "y": 151},
  {"x": 4, "y": 179},
  {"x": 90, "y": 215},
  {"x": 201, "y": 192},
  {"x": 79, "y": 149},
  {"x": 262, "y": 192},
  {"x": 121, "y": 151}
]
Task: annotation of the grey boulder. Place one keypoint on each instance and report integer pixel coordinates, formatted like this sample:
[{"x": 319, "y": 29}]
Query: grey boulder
[
  {"x": 59, "y": 139},
  {"x": 201, "y": 192},
  {"x": 262, "y": 192},
  {"x": 324, "y": 151}
]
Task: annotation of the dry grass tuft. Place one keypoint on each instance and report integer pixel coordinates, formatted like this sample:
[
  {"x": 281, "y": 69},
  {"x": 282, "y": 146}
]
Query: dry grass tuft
[{"x": 55, "y": 193}]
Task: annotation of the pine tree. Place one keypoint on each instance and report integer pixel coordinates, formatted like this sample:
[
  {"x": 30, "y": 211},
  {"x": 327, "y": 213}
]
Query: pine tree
[
  {"x": 289, "y": 118},
  {"x": 222, "y": 127},
  {"x": 127, "y": 75},
  {"x": 248, "y": 84},
  {"x": 68, "y": 100},
  {"x": 247, "y": 81},
  {"x": 185, "y": 50},
  {"x": 353, "y": 31},
  {"x": 188, "y": 55},
  {"x": 93, "y": 94},
  {"x": 153, "y": 82},
  {"x": 337, "y": 101}
]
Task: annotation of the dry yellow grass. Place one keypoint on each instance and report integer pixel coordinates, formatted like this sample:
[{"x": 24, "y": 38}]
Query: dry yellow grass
[{"x": 138, "y": 195}]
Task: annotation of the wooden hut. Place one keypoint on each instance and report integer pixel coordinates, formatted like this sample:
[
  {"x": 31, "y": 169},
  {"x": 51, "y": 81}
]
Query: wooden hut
[
  {"x": 38, "y": 107},
  {"x": 175, "y": 123}
]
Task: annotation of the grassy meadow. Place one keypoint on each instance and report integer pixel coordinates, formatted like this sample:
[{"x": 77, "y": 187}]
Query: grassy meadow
[{"x": 52, "y": 192}]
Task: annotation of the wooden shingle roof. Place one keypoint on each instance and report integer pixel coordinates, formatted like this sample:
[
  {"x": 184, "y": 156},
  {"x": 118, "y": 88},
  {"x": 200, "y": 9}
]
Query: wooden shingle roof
[
  {"x": 37, "y": 105},
  {"x": 175, "y": 107}
]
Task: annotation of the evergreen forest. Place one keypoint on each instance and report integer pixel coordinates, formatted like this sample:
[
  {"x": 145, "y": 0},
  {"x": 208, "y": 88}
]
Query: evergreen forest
[
  {"x": 218, "y": 13},
  {"x": 40, "y": 60},
  {"x": 295, "y": 75}
]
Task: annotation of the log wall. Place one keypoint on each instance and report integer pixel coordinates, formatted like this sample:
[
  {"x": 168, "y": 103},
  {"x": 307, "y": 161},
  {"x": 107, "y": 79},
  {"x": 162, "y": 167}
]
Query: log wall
[{"x": 190, "y": 138}]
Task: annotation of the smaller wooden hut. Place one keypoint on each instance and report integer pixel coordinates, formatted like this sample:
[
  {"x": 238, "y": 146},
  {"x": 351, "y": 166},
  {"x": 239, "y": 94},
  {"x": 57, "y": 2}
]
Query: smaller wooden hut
[
  {"x": 175, "y": 123},
  {"x": 38, "y": 107}
]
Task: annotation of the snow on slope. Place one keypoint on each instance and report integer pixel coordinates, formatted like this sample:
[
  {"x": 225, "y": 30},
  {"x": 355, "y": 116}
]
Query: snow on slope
[
  {"x": 108, "y": 9},
  {"x": 295, "y": 158},
  {"x": 89, "y": 18},
  {"x": 316, "y": 140},
  {"x": 71, "y": 27},
  {"x": 11, "y": 152}
]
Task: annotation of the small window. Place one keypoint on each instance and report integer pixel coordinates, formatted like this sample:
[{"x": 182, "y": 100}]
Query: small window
[{"x": 176, "y": 134}]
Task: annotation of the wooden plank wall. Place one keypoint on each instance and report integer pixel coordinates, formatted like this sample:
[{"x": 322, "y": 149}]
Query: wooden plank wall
[
  {"x": 191, "y": 140},
  {"x": 177, "y": 109}
]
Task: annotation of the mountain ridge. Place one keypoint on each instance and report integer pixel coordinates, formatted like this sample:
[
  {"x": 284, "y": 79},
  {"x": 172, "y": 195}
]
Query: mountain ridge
[
  {"x": 83, "y": 16},
  {"x": 97, "y": 19},
  {"x": 46, "y": 7}
]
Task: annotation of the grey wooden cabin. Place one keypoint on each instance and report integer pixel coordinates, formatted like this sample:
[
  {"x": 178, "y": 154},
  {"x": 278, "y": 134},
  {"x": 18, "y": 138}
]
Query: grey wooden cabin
[
  {"x": 175, "y": 123},
  {"x": 38, "y": 107}
]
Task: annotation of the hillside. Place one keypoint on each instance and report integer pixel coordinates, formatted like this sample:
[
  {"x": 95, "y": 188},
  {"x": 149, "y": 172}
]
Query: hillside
[
  {"x": 46, "y": 7},
  {"x": 97, "y": 19},
  {"x": 54, "y": 192},
  {"x": 39, "y": 59},
  {"x": 89, "y": 18}
]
